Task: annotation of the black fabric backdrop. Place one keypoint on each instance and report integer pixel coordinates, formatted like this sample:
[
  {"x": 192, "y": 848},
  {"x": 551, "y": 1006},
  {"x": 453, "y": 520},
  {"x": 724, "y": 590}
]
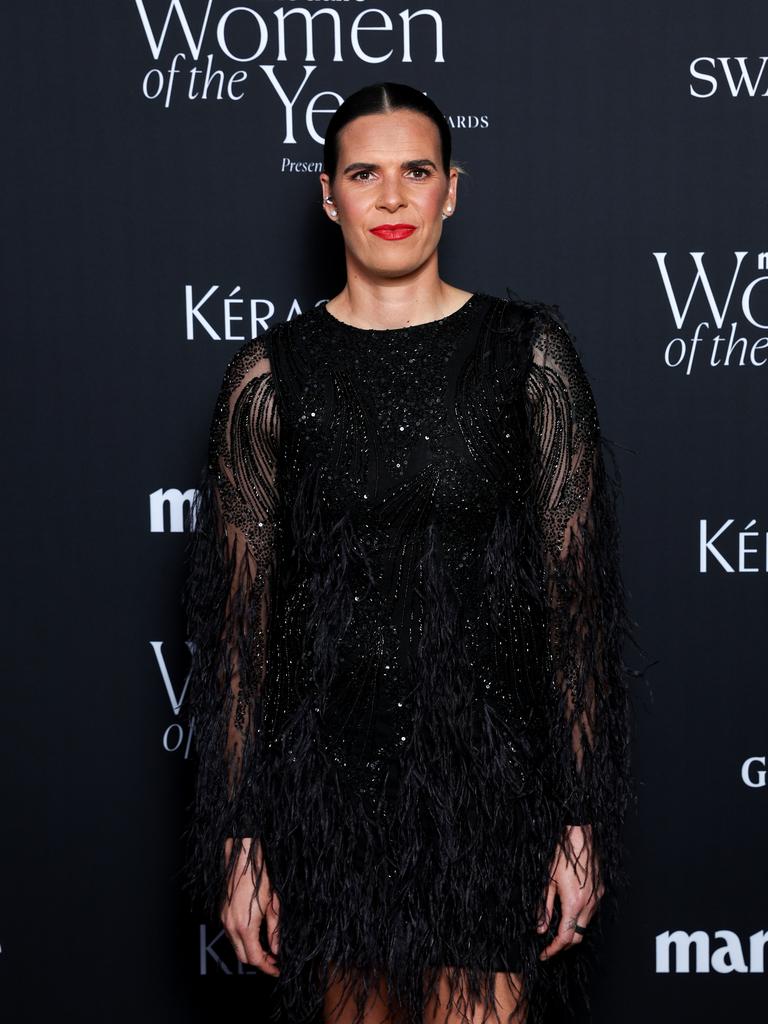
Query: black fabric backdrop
[{"x": 595, "y": 136}]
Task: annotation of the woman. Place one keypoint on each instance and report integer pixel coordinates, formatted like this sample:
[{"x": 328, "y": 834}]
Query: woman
[{"x": 407, "y": 619}]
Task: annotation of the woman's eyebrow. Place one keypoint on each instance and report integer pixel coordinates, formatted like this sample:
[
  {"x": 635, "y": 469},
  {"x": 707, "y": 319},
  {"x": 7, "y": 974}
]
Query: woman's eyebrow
[{"x": 360, "y": 166}]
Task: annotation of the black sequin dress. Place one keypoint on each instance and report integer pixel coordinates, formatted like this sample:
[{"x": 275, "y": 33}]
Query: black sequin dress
[{"x": 407, "y": 620}]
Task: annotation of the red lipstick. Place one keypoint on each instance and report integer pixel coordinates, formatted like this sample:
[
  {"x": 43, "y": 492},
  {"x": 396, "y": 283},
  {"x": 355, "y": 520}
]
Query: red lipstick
[{"x": 393, "y": 232}]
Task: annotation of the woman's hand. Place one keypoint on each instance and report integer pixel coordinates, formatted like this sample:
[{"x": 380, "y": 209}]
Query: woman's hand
[
  {"x": 579, "y": 892},
  {"x": 242, "y": 916}
]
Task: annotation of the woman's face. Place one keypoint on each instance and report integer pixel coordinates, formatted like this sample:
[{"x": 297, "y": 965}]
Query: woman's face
[{"x": 390, "y": 172}]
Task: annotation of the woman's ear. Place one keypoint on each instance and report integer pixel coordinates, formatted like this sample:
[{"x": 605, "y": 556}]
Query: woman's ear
[{"x": 328, "y": 204}]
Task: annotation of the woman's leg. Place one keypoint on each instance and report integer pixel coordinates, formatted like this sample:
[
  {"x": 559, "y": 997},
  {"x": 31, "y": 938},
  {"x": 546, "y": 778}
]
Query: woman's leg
[
  {"x": 509, "y": 1007},
  {"x": 340, "y": 1003}
]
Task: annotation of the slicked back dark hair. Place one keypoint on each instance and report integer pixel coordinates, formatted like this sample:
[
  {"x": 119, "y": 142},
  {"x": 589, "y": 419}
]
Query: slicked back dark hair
[{"x": 381, "y": 98}]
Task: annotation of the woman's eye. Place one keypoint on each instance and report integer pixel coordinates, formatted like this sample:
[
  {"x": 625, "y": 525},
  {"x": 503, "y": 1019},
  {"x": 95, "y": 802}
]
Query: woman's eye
[{"x": 423, "y": 172}]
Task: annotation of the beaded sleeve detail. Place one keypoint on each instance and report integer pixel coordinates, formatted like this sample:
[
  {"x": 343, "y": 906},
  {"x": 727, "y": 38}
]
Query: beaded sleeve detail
[
  {"x": 232, "y": 558},
  {"x": 576, "y": 497}
]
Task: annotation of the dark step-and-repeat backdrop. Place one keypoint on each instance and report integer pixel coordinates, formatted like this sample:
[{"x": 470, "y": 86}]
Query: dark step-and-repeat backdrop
[{"x": 161, "y": 206}]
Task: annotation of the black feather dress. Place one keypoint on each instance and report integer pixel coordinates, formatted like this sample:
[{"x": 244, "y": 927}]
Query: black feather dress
[{"x": 407, "y": 621}]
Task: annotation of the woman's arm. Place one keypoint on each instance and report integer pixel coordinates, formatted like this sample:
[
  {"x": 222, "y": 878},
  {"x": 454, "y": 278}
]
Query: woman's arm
[
  {"x": 576, "y": 500},
  {"x": 228, "y": 597}
]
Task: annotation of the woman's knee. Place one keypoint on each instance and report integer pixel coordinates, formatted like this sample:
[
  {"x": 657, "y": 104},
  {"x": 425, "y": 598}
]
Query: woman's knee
[
  {"x": 451, "y": 1000},
  {"x": 348, "y": 1000}
]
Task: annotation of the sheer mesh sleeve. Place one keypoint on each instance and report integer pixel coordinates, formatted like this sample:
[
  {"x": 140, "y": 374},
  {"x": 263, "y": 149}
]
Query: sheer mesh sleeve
[
  {"x": 576, "y": 501},
  {"x": 231, "y": 568}
]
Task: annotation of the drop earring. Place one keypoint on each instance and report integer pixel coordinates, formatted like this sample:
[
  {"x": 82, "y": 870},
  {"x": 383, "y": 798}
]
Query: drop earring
[{"x": 329, "y": 199}]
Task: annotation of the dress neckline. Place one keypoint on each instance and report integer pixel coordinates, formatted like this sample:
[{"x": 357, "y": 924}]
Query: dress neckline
[{"x": 448, "y": 318}]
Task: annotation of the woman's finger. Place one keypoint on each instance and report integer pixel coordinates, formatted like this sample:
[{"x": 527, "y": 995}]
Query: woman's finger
[
  {"x": 237, "y": 945},
  {"x": 549, "y": 906},
  {"x": 571, "y": 915},
  {"x": 242, "y": 916},
  {"x": 256, "y": 955},
  {"x": 244, "y": 932},
  {"x": 585, "y": 915},
  {"x": 273, "y": 924},
  {"x": 576, "y": 937}
]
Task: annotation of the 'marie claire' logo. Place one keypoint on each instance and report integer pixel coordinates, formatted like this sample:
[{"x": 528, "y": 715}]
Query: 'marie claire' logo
[{"x": 681, "y": 952}]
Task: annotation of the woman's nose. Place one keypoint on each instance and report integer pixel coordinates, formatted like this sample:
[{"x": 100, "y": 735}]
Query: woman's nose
[{"x": 392, "y": 194}]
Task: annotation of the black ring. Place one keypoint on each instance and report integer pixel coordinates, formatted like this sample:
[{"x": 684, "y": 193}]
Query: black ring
[{"x": 578, "y": 928}]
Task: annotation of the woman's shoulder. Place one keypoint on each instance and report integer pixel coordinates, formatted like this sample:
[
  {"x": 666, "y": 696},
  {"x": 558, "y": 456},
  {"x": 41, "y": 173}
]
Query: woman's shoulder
[
  {"x": 255, "y": 354},
  {"x": 274, "y": 358},
  {"x": 515, "y": 311},
  {"x": 526, "y": 332},
  {"x": 248, "y": 366},
  {"x": 543, "y": 331}
]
